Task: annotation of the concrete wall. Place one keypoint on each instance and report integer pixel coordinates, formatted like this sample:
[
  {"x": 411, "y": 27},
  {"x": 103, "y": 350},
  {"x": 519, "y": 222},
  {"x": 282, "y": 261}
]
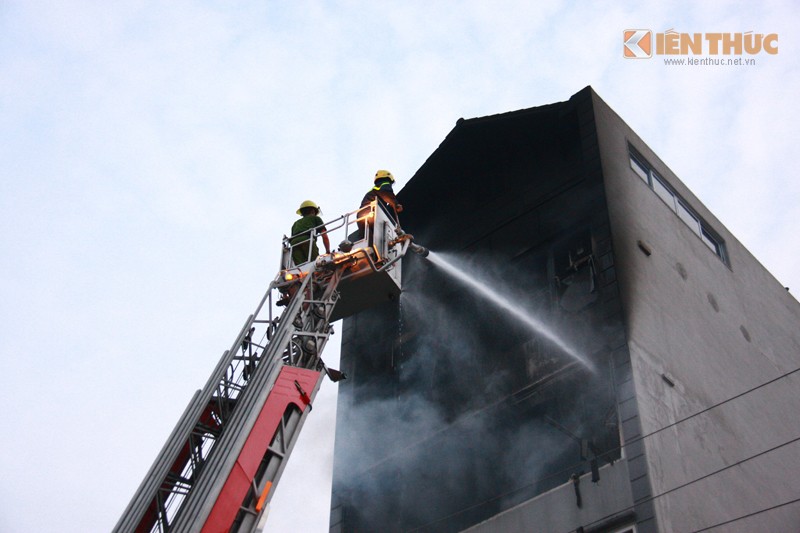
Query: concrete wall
[
  {"x": 714, "y": 331},
  {"x": 556, "y": 510}
]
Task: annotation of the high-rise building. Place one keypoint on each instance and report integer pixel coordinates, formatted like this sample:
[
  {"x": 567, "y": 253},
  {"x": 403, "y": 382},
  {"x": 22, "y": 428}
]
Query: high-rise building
[{"x": 586, "y": 349}]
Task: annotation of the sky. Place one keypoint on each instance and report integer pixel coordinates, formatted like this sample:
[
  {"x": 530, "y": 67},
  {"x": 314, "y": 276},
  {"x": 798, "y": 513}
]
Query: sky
[{"x": 152, "y": 154}]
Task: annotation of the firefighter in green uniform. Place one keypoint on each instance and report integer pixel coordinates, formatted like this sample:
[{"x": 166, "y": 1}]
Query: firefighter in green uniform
[{"x": 301, "y": 232}]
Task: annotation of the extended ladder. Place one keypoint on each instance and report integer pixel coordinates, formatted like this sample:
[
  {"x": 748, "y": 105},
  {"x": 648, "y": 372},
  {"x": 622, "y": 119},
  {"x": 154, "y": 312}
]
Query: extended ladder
[{"x": 219, "y": 467}]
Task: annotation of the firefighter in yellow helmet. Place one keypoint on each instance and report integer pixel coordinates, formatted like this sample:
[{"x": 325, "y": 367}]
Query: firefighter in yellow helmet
[
  {"x": 383, "y": 191},
  {"x": 301, "y": 232}
]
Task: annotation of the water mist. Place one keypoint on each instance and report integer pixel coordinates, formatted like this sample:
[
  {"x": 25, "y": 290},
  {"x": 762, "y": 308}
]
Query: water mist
[{"x": 506, "y": 304}]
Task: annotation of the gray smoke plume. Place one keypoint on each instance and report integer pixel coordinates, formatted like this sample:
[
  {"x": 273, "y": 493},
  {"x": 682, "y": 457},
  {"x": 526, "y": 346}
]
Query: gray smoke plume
[{"x": 483, "y": 412}]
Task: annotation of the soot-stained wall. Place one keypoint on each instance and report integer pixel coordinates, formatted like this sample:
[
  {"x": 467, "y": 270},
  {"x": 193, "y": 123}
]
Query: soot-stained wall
[{"x": 456, "y": 409}]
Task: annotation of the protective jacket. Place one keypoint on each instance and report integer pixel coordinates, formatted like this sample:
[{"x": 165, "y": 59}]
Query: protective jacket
[
  {"x": 383, "y": 191},
  {"x": 300, "y": 236}
]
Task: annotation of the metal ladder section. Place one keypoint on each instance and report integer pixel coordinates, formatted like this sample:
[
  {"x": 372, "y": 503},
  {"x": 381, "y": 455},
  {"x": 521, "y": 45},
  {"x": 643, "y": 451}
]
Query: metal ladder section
[{"x": 181, "y": 489}]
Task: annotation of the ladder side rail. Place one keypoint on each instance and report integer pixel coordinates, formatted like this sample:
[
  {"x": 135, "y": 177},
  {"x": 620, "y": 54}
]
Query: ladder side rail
[
  {"x": 157, "y": 475},
  {"x": 315, "y": 323},
  {"x": 331, "y": 295},
  {"x": 253, "y": 515},
  {"x": 220, "y": 388},
  {"x": 144, "y": 494},
  {"x": 228, "y": 389},
  {"x": 266, "y": 298},
  {"x": 223, "y": 457}
]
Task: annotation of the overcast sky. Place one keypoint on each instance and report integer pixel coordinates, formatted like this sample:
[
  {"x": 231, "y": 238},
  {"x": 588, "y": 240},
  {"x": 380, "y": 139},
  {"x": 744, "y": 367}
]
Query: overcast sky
[{"x": 153, "y": 153}]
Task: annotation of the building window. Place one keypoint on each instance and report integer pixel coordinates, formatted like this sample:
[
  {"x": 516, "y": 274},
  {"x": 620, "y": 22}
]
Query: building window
[
  {"x": 645, "y": 171},
  {"x": 687, "y": 216},
  {"x": 663, "y": 191},
  {"x": 640, "y": 169}
]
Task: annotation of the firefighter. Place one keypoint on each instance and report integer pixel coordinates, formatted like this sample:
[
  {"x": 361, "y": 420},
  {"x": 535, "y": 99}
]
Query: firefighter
[
  {"x": 301, "y": 230},
  {"x": 383, "y": 191}
]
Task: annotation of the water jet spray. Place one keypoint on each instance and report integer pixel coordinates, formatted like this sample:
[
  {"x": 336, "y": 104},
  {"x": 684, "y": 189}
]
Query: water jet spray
[{"x": 506, "y": 304}]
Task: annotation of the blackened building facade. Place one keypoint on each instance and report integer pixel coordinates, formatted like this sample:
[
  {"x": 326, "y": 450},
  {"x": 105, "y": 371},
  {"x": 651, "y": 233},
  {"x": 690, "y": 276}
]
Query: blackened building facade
[{"x": 671, "y": 403}]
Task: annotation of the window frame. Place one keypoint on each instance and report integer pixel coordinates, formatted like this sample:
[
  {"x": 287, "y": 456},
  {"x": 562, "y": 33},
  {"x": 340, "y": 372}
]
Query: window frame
[{"x": 667, "y": 194}]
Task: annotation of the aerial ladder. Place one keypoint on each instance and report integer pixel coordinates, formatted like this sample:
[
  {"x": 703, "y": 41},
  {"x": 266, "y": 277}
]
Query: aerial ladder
[{"x": 219, "y": 467}]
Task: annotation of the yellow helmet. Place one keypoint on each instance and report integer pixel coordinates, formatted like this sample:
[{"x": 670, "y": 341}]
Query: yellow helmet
[
  {"x": 384, "y": 174},
  {"x": 308, "y": 203}
]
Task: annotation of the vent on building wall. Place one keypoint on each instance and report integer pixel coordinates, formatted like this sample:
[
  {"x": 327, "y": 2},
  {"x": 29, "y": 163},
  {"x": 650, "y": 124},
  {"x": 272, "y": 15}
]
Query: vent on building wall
[{"x": 745, "y": 333}]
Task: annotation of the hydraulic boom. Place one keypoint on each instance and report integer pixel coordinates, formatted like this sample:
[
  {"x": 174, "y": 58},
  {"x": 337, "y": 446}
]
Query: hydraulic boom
[{"x": 220, "y": 466}]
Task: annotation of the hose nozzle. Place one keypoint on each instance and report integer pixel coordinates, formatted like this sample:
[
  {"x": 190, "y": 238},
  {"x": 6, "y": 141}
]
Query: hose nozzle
[{"x": 416, "y": 248}]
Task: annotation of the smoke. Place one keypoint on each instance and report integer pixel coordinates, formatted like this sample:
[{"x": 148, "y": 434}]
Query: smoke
[
  {"x": 414, "y": 452},
  {"x": 479, "y": 411}
]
